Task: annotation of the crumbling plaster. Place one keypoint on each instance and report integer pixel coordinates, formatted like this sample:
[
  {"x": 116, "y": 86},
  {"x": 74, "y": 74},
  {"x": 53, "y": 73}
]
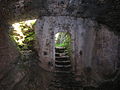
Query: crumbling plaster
[{"x": 87, "y": 55}]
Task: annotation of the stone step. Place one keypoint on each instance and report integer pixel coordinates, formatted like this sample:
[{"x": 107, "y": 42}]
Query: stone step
[
  {"x": 63, "y": 76},
  {"x": 62, "y": 66},
  {"x": 65, "y": 80},
  {"x": 67, "y": 61},
  {"x": 63, "y": 72},
  {"x": 67, "y": 73},
  {"x": 63, "y": 69},
  {"x": 66, "y": 83},
  {"x": 62, "y": 58},
  {"x": 63, "y": 48},
  {"x": 62, "y": 62},
  {"x": 60, "y": 49},
  {"x": 61, "y": 54},
  {"x": 57, "y": 54}
]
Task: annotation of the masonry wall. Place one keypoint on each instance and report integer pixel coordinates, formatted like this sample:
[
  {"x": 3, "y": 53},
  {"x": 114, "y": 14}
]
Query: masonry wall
[
  {"x": 105, "y": 54},
  {"x": 82, "y": 32},
  {"x": 8, "y": 52},
  {"x": 94, "y": 47},
  {"x": 46, "y": 28}
]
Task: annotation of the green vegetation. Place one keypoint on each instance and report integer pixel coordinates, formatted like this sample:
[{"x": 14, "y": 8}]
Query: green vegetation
[
  {"x": 24, "y": 35},
  {"x": 29, "y": 34},
  {"x": 63, "y": 39}
]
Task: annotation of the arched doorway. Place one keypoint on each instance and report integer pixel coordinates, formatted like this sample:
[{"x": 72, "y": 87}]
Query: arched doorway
[{"x": 63, "y": 52}]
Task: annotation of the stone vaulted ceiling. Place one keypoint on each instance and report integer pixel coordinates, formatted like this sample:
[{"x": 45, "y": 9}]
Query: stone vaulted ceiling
[{"x": 103, "y": 11}]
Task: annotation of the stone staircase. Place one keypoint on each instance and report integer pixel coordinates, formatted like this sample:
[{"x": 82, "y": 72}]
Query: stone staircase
[
  {"x": 62, "y": 61},
  {"x": 63, "y": 77}
]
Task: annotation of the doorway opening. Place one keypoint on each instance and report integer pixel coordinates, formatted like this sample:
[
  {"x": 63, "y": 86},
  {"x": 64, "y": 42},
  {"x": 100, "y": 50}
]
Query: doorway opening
[
  {"x": 63, "y": 52},
  {"x": 24, "y": 35},
  {"x": 63, "y": 40}
]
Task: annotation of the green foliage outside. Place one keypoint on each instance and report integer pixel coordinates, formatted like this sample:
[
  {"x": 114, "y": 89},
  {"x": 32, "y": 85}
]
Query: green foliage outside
[
  {"x": 29, "y": 34},
  {"x": 26, "y": 36},
  {"x": 63, "y": 39}
]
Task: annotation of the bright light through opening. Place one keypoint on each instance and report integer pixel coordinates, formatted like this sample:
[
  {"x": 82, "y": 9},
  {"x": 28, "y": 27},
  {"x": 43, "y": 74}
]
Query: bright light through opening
[
  {"x": 56, "y": 36},
  {"x": 18, "y": 30}
]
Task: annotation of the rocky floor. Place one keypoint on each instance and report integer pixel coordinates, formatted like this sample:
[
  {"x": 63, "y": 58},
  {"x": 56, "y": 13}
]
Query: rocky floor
[{"x": 25, "y": 74}]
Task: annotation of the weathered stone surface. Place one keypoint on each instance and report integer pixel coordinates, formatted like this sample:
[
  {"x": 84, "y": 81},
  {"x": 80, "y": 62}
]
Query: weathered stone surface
[
  {"x": 8, "y": 52},
  {"x": 105, "y": 60},
  {"x": 78, "y": 28},
  {"x": 94, "y": 47},
  {"x": 26, "y": 75},
  {"x": 103, "y": 11}
]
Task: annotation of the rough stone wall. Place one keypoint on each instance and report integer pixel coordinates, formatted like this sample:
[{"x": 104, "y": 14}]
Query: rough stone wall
[
  {"x": 102, "y": 57},
  {"x": 103, "y": 63},
  {"x": 105, "y": 59},
  {"x": 82, "y": 35},
  {"x": 46, "y": 29},
  {"x": 25, "y": 74},
  {"x": 103, "y": 11},
  {"x": 94, "y": 47},
  {"x": 8, "y": 52},
  {"x": 84, "y": 43}
]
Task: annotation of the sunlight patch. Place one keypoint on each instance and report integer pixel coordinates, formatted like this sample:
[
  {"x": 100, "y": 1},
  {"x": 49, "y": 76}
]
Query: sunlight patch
[{"x": 19, "y": 37}]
